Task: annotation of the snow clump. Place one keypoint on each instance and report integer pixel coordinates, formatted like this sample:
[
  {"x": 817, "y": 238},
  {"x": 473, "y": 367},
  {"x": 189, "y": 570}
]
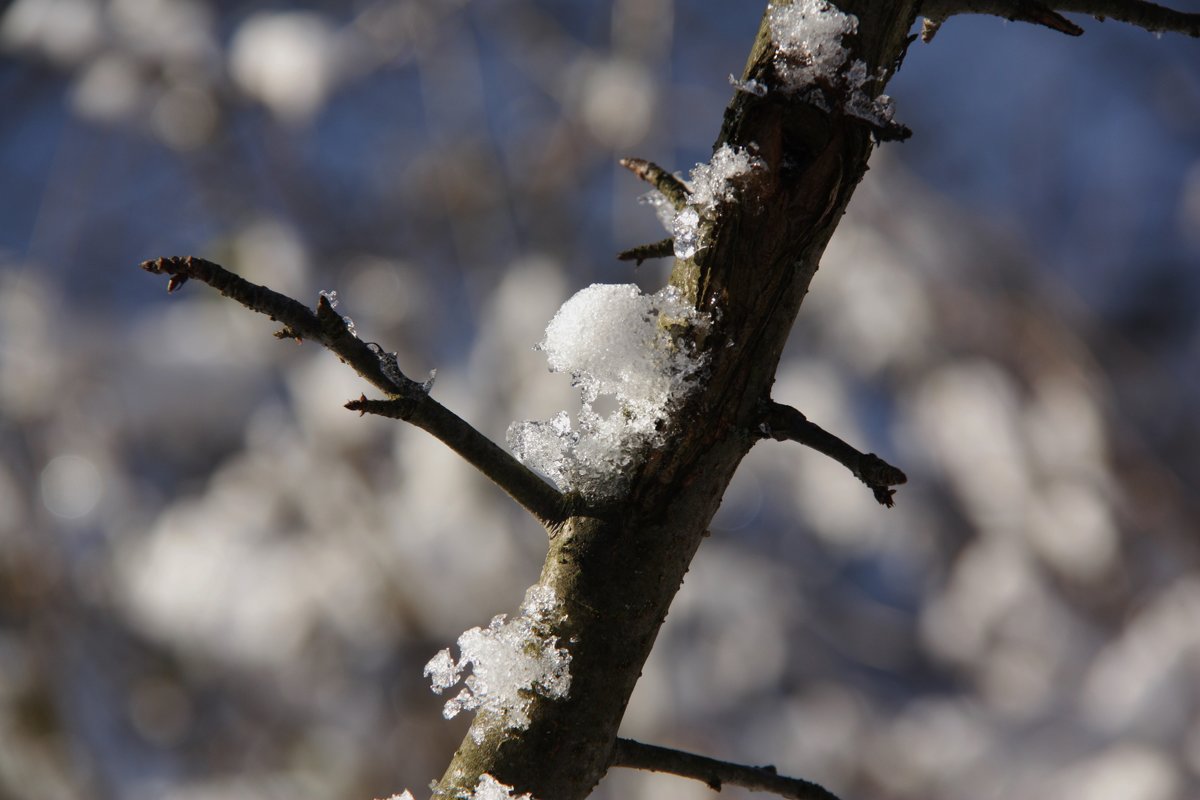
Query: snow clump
[
  {"x": 489, "y": 788},
  {"x": 619, "y": 343},
  {"x": 711, "y": 185},
  {"x": 510, "y": 660},
  {"x": 811, "y": 59}
]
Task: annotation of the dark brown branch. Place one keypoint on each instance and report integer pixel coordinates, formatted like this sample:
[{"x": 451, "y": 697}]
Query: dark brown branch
[
  {"x": 1150, "y": 16},
  {"x": 661, "y": 249},
  {"x": 783, "y": 423},
  {"x": 714, "y": 773},
  {"x": 407, "y": 399},
  {"x": 674, "y": 189}
]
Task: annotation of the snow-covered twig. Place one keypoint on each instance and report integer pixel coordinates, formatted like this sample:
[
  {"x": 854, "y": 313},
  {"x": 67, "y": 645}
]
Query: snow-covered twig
[
  {"x": 716, "y": 774},
  {"x": 406, "y": 399},
  {"x": 784, "y": 423},
  {"x": 673, "y": 188},
  {"x": 1152, "y": 17}
]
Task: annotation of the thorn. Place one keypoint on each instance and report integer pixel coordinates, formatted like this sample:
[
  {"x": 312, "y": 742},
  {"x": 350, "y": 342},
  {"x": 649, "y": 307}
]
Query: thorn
[
  {"x": 359, "y": 405},
  {"x": 660, "y": 249},
  {"x": 674, "y": 189},
  {"x": 1041, "y": 14}
]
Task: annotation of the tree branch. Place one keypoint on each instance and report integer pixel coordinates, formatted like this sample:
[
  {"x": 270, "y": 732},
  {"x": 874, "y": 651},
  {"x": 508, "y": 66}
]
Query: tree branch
[
  {"x": 674, "y": 189},
  {"x": 407, "y": 399},
  {"x": 660, "y": 249},
  {"x": 782, "y": 423},
  {"x": 1150, "y": 16},
  {"x": 716, "y": 774}
]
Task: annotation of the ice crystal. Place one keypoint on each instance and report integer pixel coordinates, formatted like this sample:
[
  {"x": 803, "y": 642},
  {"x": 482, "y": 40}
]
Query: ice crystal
[
  {"x": 663, "y": 208},
  {"x": 812, "y": 59},
  {"x": 751, "y": 86},
  {"x": 685, "y": 231},
  {"x": 509, "y": 660},
  {"x": 615, "y": 342},
  {"x": 488, "y": 788},
  {"x": 711, "y": 183},
  {"x": 709, "y": 186}
]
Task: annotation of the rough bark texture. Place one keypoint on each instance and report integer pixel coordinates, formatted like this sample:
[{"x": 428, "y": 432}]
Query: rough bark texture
[{"x": 618, "y": 570}]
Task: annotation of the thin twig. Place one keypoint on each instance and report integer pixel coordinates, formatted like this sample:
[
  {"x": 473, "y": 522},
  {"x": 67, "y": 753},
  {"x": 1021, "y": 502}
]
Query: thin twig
[
  {"x": 661, "y": 249},
  {"x": 672, "y": 188},
  {"x": 784, "y": 423},
  {"x": 406, "y": 399},
  {"x": 714, "y": 773},
  {"x": 1150, "y": 16}
]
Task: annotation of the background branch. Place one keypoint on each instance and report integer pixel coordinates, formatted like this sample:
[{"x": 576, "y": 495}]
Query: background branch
[
  {"x": 1149, "y": 16},
  {"x": 637, "y": 755},
  {"x": 407, "y": 399}
]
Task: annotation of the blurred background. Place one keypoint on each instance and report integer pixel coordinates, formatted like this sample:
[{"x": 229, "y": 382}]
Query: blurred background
[{"x": 215, "y": 582}]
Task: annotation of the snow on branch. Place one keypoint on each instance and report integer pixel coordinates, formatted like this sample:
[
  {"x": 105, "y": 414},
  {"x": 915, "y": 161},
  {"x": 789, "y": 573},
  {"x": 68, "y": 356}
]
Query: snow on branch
[
  {"x": 637, "y": 350},
  {"x": 1150, "y": 16},
  {"x": 510, "y": 661},
  {"x": 784, "y": 423},
  {"x": 714, "y": 773},
  {"x": 813, "y": 61},
  {"x": 406, "y": 399}
]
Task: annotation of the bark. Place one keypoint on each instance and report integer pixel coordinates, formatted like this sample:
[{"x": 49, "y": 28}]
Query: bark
[{"x": 617, "y": 569}]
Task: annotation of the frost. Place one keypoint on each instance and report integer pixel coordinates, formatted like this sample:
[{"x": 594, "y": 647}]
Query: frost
[
  {"x": 331, "y": 297},
  {"x": 510, "y": 660},
  {"x": 751, "y": 86},
  {"x": 615, "y": 342},
  {"x": 663, "y": 208},
  {"x": 489, "y": 788},
  {"x": 809, "y": 33},
  {"x": 405, "y": 795},
  {"x": 711, "y": 184},
  {"x": 685, "y": 230},
  {"x": 812, "y": 59}
]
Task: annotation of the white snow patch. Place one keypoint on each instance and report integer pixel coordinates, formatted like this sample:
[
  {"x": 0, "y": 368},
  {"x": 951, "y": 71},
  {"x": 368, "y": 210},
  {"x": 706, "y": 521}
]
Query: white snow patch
[
  {"x": 710, "y": 185},
  {"x": 615, "y": 342},
  {"x": 685, "y": 231},
  {"x": 510, "y": 661},
  {"x": 489, "y": 788},
  {"x": 813, "y": 61}
]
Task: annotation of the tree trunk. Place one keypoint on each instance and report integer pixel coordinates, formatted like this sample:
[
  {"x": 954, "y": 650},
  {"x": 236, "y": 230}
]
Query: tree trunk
[{"x": 616, "y": 570}]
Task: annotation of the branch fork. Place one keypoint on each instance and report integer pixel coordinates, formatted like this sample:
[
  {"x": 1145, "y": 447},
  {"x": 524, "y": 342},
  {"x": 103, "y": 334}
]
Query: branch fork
[{"x": 406, "y": 399}]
